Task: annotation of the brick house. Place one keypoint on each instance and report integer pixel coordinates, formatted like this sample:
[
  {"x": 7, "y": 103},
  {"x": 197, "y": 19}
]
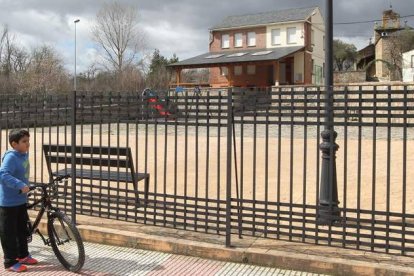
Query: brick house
[{"x": 282, "y": 47}]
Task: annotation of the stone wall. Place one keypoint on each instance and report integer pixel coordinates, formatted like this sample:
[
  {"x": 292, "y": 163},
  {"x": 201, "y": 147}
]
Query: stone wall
[{"x": 349, "y": 77}]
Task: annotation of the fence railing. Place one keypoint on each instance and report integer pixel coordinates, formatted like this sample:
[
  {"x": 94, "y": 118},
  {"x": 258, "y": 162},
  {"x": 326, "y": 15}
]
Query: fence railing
[{"x": 240, "y": 162}]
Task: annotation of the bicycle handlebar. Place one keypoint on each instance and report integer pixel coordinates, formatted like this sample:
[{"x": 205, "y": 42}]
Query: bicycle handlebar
[
  {"x": 61, "y": 177},
  {"x": 56, "y": 179}
]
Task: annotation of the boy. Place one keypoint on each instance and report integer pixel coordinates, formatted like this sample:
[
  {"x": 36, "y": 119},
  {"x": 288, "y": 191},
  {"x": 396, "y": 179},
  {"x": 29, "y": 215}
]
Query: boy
[{"x": 14, "y": 180}]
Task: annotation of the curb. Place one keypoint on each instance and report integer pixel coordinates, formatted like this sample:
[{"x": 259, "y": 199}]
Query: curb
[{"x": 255, "y": 256}]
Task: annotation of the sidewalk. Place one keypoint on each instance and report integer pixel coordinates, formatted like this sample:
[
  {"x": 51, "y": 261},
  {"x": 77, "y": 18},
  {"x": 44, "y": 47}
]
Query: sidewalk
[
  {"x": 104, "y": 260},
  {"x": 257, "y": 251}
]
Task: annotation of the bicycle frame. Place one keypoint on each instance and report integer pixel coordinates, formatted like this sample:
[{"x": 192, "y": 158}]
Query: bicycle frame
[
  {"x": 45, "y": 203},
  {"x": 55, "y": 239}
]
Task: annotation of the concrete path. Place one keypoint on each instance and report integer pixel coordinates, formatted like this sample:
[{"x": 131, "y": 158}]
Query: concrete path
[{"x": 105, "y": 260}]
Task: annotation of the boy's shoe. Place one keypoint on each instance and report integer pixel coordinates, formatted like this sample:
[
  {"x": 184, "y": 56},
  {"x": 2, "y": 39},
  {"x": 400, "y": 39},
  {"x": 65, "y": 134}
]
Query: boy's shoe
[
  {"x": 29, "y": 260},
  {"x": 17, "y": 267}
]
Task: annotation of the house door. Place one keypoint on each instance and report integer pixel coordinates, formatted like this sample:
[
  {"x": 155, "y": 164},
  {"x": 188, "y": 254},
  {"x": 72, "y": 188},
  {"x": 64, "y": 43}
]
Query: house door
[
  {"x": 270, "y": 75},
  {"x": 282, "y": 73},
  {"x": 289, "y": 70}
]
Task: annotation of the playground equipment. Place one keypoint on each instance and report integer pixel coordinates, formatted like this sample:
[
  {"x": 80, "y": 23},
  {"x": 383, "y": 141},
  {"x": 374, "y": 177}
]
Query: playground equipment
[{"x": 157, "y": 106}]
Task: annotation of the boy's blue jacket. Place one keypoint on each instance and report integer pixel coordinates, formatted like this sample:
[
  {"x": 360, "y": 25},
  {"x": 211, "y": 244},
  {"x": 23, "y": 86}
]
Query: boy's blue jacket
[{"x": 14, "y": 175}]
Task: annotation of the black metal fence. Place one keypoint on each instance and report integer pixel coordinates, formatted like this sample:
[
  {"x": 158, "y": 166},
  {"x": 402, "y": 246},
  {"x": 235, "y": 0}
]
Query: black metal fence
[{"x": 239, "y": 162}]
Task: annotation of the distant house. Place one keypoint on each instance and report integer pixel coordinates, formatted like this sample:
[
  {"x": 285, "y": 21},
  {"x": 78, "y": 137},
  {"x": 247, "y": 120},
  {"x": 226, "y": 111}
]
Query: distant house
[
  {"x": 385, "y": 36},
  {"x": 408, "y": 66},
  {"x": 378, "y": 58},
  {"x": 265, "y": 49},
  {"x": 366, "y": 61}
]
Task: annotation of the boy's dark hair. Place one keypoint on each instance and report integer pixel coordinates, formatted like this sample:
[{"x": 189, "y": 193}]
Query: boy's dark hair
[{"x": 17, "y": 134}]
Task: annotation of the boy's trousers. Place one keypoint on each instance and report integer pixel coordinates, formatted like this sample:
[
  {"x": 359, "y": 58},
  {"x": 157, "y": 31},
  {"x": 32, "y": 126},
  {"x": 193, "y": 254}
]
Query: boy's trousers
[{"x": 13, "y": 233}]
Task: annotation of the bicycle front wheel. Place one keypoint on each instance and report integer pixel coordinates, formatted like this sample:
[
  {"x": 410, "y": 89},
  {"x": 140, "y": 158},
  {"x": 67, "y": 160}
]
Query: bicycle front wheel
[{"x": 66, "y": 242}]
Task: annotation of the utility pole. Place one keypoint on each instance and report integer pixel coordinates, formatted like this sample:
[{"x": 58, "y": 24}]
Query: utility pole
[{"x": 73, "y": 138}]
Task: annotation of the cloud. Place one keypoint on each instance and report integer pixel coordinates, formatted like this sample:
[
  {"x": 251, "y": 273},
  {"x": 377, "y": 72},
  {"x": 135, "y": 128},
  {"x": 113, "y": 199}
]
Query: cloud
[
  {"x": 172, "y": 26},
  {"x": 163, "y": 36}
]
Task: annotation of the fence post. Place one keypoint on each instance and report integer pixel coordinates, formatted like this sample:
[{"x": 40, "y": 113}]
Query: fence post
[
  {"x": 229, "y": 160},
  {"x": 328, "y": 211},
  {"x": 73, "y": 153}
]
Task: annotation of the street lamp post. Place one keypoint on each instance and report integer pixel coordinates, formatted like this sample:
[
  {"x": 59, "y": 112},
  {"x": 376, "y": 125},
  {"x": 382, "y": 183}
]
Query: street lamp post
[
  {"x": 74, "y": 81},
  {"x": 328, "y": 211},
  {"x": 73, "y": 138}
]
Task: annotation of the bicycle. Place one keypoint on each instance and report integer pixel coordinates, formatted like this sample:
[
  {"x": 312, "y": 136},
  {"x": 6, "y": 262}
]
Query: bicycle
[{"x": 63, "y": 236}]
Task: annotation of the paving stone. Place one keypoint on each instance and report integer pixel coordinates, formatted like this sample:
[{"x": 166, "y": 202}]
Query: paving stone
[{"x": 105, "y": 260}]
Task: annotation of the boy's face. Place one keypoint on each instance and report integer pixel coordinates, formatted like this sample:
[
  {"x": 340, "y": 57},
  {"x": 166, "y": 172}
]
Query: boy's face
[{"x": 23, "y": 145}]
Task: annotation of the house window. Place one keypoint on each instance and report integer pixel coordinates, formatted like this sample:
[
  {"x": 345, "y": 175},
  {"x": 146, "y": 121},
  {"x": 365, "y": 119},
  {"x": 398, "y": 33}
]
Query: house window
[
  {"x": 238, "y": 70},
  {"x": 225, "y": 41},
  {"x": 313, "y": 66},
  {"x": 323, "y": 70},
  {"x": 251, "y": 69},
  {"x": 236, "y": 55},
  {"x": 412, "y": 61},
  {"x": 214, "y": 56},
  {"x": 323, "y": 43},
  {"x": 261, "y": 53},
  {"x": 291, "y": 35},
  {"x": 224, "y": 71},
  {"x": 251, "y": 39},
  {"x": 238, "y": 40},
  {"x": 276, "y": 37},
  {"x": 313, "y": 37}
]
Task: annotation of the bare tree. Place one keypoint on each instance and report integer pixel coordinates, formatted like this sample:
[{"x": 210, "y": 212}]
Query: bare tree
[
  {"x": 6, "y": 51},
  {"x": 399, "y": 43},
  {"x": 20, "y": 71},
  {"x": 45, "y": 72},
  {"x": 133, "y": 79},
  {"x": 3, "y": 37},
  {"x": 117, "y": 33},
  {"x": 88, "y": 80},
  {"x": 13, "y": 58},
  {"x": 13, "y": 61},
  {"x": 20, "y": 60}
]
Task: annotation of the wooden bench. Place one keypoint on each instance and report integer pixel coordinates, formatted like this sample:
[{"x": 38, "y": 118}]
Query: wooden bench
[{"x": 96, "y": 163}]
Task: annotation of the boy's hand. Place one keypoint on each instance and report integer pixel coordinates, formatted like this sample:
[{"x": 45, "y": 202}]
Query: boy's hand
[{"x": 25, "y": 189}]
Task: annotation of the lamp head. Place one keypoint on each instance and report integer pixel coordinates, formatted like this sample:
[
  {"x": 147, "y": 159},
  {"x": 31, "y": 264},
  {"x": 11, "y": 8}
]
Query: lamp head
[{"x": 76, "y": 21}]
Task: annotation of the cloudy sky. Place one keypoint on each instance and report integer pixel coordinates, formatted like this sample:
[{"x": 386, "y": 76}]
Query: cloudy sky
[{"x": 172, "y": 26}]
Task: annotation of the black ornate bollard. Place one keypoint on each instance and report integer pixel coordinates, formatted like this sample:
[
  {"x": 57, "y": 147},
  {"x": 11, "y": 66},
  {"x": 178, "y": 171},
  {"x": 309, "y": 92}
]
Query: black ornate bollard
[
  {"x": 328, "y": 193},
  {"x": 328, "y": 211}
]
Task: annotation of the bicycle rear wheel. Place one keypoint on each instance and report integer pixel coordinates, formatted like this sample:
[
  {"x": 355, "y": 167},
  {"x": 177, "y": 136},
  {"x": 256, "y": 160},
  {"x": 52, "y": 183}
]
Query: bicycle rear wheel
[{"x": 66, "y": 242}]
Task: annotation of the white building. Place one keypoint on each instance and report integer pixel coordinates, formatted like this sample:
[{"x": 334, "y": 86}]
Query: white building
[{"x": 408, "y": 66}]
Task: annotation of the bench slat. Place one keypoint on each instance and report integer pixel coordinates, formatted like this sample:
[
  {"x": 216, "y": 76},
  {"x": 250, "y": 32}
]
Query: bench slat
[
  {"x": 121, "y": 151},
  {"x": 102, "y": 175},
  {"x": 88, "y": 161}
]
